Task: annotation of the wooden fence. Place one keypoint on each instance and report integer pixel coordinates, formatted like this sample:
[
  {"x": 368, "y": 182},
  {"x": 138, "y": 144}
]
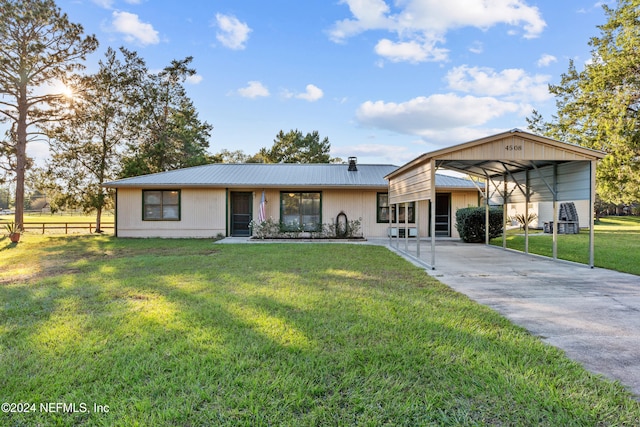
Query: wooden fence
[{"x": 57, "y": 227}]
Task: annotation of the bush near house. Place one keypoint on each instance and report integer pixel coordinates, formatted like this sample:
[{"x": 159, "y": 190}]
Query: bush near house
[
  {"x": 470, "y": 223},
  {"x": 272, "y": 229}
]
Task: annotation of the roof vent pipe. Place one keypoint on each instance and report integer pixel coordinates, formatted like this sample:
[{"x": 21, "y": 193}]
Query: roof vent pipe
[{"x": 352, "y": 164}]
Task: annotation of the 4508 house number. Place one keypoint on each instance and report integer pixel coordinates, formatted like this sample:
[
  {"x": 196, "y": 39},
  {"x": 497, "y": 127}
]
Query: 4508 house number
[{"x": 513, "y": 147}]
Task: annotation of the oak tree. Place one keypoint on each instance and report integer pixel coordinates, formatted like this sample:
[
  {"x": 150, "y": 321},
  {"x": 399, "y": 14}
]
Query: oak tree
[
  {"x": 599, "y": 106},
  {"x": 85, "y": 150}
]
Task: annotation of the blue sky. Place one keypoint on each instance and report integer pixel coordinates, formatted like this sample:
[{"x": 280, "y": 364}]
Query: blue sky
[{"x": 384, "y": 80}]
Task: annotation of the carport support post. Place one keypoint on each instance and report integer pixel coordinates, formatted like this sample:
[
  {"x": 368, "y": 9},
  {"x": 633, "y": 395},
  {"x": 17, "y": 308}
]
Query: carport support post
[
  {"x": 554, "y": 229},
  {"x": 594, "y": 163},
  {"x": 406, "y": 227},
  {"x": 504, "y": 211},
  {"x": 390, "y": 230},
  {"x": 526, "y": 212},
  {"x": 432, "y": 218},
  {"x": 397, "y": 222},
  {"x": 486, "y": 212},
  {"x": 416, "y": 214}
]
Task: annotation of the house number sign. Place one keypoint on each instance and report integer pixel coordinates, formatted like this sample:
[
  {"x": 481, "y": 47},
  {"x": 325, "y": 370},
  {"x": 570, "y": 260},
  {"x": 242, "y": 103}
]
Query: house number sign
[{"x": 513, "y": 147}]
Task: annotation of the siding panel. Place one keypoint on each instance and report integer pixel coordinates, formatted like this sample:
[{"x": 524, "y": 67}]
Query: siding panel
[{"x": 202, "y": 215}]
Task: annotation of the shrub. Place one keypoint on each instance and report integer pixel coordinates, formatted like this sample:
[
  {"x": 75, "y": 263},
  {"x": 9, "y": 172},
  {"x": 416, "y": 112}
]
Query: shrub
[
  {"x": 272, "y": 229},
  {"x": 470, "y": 223},
  {"x": 522, "y": 219}
]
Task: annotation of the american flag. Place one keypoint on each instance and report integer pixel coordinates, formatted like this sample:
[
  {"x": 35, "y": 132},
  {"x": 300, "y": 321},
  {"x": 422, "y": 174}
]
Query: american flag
[{"x": 262, "y": 214}]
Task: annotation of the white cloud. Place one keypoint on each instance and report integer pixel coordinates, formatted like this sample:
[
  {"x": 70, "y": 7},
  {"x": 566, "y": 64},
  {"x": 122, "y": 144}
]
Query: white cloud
[
  {"x": 232, "y": 33},
  {"x": 420, "y": 25},
  {"x": 478, "y": 96},
  {"x": 195, "y": 79},
  {"x": 422, "y": 115},
  {"x": 411, "y": 51},
  {"x": 512, "y": 84},
  {"x": 369, "y": 14},
  {"x": 253, "y": 90},
  {"x": 476, "y": 47},
  {"x": 546, "y": 60},
  {"x": 133, "y": 29},
  {"x": 312, "y": 93}
]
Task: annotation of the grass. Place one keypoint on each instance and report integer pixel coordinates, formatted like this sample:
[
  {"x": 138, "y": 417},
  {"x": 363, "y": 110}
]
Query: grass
[
  {"x": 616, "y": 243},
  {"x": 185, "y": 332}
]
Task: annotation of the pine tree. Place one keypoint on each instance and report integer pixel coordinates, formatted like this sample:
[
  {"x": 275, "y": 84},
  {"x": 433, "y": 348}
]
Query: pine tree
[{"x": 38, "y": 47}]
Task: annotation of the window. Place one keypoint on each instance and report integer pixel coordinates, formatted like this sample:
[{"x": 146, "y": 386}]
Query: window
[
  {"x": 384, "y": 210},
  {"x": 161, "y": 205},
  {"x": 300, "y": 211}
]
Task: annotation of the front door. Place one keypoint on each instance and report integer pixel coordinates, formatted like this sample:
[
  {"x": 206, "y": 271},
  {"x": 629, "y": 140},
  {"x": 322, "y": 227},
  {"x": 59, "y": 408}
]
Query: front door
[
  {"x": 443, "y": 215},
  {"x": 241, "y": 213}
]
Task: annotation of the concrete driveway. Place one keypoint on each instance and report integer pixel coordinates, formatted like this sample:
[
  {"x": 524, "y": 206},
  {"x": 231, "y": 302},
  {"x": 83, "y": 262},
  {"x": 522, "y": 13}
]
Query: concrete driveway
[{"x": 591, "y": 314}]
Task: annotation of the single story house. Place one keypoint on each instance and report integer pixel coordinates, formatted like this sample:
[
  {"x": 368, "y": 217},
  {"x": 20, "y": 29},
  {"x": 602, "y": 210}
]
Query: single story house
[{"x": 223, "y": 199}]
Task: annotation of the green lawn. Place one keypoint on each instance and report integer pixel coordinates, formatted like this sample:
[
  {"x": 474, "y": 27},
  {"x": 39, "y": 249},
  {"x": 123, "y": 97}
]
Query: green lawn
[
  {"x": 617, "y": 244},
  {"x": 189, "y": 333}
]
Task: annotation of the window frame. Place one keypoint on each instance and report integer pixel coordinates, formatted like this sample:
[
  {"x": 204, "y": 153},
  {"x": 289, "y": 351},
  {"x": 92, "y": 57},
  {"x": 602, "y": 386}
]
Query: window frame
[
  {"x": 161, "y": 206},
  {"x": 301, "y": 225},
  {"x": 380, "y": 218}
]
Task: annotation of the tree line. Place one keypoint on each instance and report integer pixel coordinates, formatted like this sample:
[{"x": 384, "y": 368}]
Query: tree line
[
  {"x": 121, "y": 121},
  {"x": 125, "y": 120},
  {"x": 599, "y": 106}
]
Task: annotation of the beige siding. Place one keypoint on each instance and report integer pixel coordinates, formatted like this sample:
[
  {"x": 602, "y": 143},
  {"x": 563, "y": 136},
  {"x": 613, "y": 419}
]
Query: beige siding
[
  {"x": 356, "y": 204},
  {"x": 514, "y": 147},
  {"x": 202, "y": 214},
  {"x": 412, "y": 184},
  {"x": 459, "y": 200},
  {"x": 203, "y": 211},
  {"x": 272, "y": 207}
]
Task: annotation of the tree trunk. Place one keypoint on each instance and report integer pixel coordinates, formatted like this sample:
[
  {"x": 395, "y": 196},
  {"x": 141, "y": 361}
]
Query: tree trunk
[
  {"x": 21, "y": 156},
  {"x": 99, "y": 220}
]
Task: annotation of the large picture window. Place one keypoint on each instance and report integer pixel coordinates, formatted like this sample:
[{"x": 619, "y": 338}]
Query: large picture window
[
  {"x": 384, "y": 210},
  {"x": 161, "y": 205},
  {"x": 300, "y": 211}
]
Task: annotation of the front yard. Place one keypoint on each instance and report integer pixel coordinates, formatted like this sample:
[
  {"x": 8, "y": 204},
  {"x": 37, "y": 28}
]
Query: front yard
[{"x": 102, "y": 331}]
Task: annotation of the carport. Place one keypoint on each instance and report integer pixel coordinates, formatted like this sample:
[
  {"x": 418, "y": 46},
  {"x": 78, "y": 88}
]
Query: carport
[{"x": 510, "y": 167}]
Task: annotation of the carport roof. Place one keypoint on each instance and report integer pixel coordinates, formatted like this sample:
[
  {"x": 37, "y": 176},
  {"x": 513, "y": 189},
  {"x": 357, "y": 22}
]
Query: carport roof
[
  {"x": 562, "y": 172},
  {"x": 508, "y": 152}
]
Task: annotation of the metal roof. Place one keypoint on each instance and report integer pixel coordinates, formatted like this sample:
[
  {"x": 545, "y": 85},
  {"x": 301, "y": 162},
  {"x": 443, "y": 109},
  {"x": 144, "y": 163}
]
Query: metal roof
[
  {"x": 497, "y": 164},
  {"x": 289, "y": 175}
]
